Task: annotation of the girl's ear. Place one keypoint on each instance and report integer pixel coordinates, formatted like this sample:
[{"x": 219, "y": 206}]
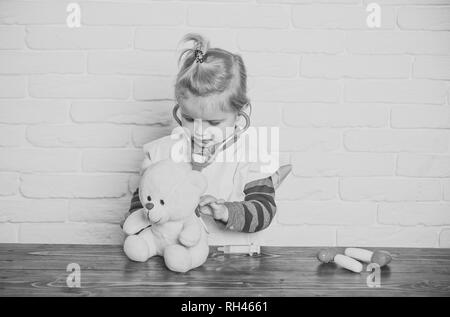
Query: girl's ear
[{"x": 198, "y": 180}]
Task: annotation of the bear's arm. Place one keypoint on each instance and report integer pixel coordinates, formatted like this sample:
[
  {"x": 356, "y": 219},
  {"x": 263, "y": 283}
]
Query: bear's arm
[
  {"x": 191, "y": 233},
  {"x": 257, "y": 210}
]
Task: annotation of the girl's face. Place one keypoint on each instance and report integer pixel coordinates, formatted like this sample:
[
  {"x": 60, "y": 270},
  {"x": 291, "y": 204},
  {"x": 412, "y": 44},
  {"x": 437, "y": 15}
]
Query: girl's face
[{"x": 207, "y": 123}]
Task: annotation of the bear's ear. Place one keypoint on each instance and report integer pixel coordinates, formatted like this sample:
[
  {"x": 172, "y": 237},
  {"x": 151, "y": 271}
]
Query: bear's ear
[
  {"x": 199, "y": 181},
  {"x": 146, "y": 163}
]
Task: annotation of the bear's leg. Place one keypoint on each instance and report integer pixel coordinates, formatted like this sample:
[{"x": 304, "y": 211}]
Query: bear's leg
[
  {"x": 177, "y": 258},
  {"x": 140, "y": 247},
  {"x": 199, "y": 253}
]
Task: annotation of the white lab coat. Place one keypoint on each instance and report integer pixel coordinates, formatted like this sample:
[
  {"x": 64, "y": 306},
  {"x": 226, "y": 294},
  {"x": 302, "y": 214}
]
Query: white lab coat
[{"x": 226, "y": 179}]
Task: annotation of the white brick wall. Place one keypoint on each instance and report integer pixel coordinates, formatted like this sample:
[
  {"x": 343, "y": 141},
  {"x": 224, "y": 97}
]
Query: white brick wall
[{"x": 364, "y": 114}]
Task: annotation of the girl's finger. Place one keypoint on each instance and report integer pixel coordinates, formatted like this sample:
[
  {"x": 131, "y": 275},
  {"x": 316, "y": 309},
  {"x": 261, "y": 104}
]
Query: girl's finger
[
  {"x": 206, "y": 210},
  {"x": 206, "y": 199}
]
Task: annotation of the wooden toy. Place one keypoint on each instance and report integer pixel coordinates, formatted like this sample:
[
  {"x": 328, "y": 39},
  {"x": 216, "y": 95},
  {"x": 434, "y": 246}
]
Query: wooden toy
[
  {"x": 331, "y": 255},
  {"x": 381, "y": 258}
]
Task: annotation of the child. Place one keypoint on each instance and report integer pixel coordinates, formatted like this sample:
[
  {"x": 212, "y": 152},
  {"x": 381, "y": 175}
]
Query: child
[{"x": 210, "y": 91}]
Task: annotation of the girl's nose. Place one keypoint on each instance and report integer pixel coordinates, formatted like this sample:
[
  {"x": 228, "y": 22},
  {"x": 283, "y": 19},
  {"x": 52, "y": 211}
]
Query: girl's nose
[{"x": 198, "y": 127}]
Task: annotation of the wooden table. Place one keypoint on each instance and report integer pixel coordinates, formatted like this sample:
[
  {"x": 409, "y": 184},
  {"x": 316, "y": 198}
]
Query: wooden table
[{"x": 40, "y": 270}]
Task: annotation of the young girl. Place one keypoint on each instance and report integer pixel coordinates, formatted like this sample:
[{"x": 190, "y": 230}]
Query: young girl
[{"x": 210, "y": 92}]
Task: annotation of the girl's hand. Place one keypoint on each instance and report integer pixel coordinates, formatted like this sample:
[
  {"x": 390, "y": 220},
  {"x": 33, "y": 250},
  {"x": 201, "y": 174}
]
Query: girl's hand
[{"x": 211, "y": 206}]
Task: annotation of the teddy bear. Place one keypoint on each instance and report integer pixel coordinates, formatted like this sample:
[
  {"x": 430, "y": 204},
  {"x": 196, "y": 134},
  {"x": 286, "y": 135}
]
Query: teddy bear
[{"x": 168, "y": 226}]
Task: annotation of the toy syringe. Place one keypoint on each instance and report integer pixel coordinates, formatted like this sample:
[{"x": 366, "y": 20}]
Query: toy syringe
[{"x": 249, "y": 249}]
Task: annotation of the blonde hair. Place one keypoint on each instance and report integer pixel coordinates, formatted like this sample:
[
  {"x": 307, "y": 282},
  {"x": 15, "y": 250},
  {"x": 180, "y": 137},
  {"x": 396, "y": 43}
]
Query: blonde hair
[{"x": 220, "y": 73}]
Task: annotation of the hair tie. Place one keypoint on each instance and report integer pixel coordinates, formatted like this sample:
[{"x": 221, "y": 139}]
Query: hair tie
[{"x": 199, "y": 56}]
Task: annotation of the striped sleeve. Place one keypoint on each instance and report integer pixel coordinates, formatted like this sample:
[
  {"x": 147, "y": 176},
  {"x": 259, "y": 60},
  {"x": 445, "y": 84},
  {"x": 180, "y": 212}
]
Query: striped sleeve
[
  {"x": 257, "y": 210},
  {"x": 135, "y": 202}
]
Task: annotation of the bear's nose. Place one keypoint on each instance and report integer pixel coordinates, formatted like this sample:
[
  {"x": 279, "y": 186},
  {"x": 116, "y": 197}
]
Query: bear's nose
[{"x": 149, "y": 206}]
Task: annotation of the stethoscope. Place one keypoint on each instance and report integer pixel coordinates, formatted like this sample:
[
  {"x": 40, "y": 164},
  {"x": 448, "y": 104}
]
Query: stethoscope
[{"x": 202, "y": 160}]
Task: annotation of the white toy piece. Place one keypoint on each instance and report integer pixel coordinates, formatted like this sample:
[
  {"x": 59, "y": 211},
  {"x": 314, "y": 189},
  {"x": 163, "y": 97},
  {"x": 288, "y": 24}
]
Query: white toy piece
[
  {"x": 249, "y": 249},
  {"x": 330, "y": 255},
  {"x": 381, "y": 258}
]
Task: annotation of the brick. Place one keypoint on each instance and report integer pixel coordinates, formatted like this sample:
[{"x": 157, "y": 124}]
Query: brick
[
  {"x": 437, "y": 117},
  {"x": 326, "y": 213},
  {"x": 143, "y": 135},
  {"x": 129, "y": 112},
  {"x": 12, "y": 86},
  {"x": 70, "y": 233},
  {"x": 11, "y": 135},
  {"x": 266, "y": 114},
  {"x": 294, "y": 139},
  {"x": 424, "y": 18},
  {"x": 310, "y": 1},
  {"x": 132, "y": 63},
  {"x": 74, "y": 186},
  {"x": 433, "y": 67},
  {"x": 396, "y": 91},
  {"x": 150, "y": 38},
  {"x": 9, "y": 184},
  {"x": 389, "y": 189},
  {"x": 329, "y": 66},
  {"x": 298, "y": 236},
  {"x": 64, "y": 38},
  {"x": 153, "y": 88},
  {"x": 406, "y": 42},
  {"x": 387, "y": 237},
  {"x": 79, "y": 86},
  {"x": 305, "y": 41},
  {"x": 343, "y": 164},
  {"x": 13, "y": 62},
  {"x": 287, "y": 90},
  {"x": 271, "y": 65},
  {"x": 238, "y": 16},
  {"x": 39, "y": 160},
  {"x": 112, "y": 160},
  {"x": 396, "y": 141},
  {"x": 133, "y": 183},
  {"x": 8, "y": 233},
  {"x": 89, "y": 135},
  {"x": 422, "y": 165},
  {"x": 297, "y": 188},
  {"x": 33, "y": 210},
  {"x": 98, "y": 210},
  {"x": 337, "y": 17},
  {"x": 407, "y": 2},
  {"x": 105, "y": 13},
  {"x": 335, "y": 115},
  {"x": 446, "y": 189},
  {"x": 12, "y": 37},
  {"x": 413, "y": 214},
  {"x": 26, "y": 12},
  {"x": 444, "y": 238},
  {"x": 33, "y": 111}
]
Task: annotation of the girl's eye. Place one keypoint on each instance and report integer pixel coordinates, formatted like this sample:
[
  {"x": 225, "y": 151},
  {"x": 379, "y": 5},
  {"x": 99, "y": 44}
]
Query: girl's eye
[
  {"x": 149, "y": 198},
  {"x": 161, "y": 202},
  {"x": 214, "y": 122},
  {"x": 188, "y": 119}
]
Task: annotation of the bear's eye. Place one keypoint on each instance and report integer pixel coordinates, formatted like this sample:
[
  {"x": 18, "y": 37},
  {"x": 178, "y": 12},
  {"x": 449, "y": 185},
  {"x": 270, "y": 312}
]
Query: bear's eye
[
  {"x": 149, "y": 198},
  {"x": 161, "y": 202}
]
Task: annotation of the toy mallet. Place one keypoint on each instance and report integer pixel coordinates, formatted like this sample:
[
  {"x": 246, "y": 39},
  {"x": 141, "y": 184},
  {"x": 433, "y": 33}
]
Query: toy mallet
[
  {"x": 331, "y": 255},
  {"x": 381, "y": 258}
]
